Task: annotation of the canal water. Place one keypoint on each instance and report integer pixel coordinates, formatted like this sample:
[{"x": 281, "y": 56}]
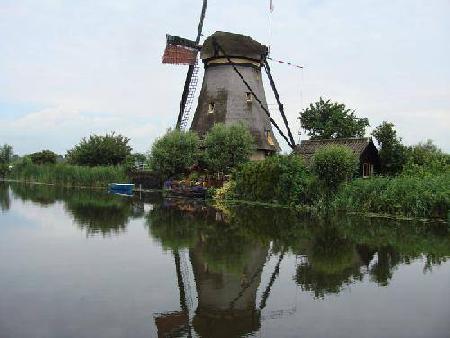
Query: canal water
[{"x": 83, "y": 263}]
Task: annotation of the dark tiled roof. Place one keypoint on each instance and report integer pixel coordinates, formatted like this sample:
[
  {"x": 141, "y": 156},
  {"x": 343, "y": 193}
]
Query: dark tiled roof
[
  {"x": 233, "y": 45},
  {"x": 307, "y": 148}
]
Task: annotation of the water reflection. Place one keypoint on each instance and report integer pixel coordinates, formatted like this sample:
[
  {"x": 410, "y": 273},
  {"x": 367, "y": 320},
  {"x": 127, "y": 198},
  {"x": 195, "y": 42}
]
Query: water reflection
[
  {"x": 226, "y": 265},
  {"x": 229, "y": 247},
  {"x": 227, "y": 258},
  {"x": 5, "y": 201},
  {"x": 93, "y": 211}
]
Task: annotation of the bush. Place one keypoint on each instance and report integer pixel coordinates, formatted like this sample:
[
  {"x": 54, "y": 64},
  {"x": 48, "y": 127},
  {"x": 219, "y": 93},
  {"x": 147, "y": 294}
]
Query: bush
[
  {"x": 100, "y": 150},
  {"x": 334, "y": 165},
  {"x": 174, "y": 153},
  {"x": 407, "y": 196},
  {"x": 44, "y": 157},
  {"x": 227, "y": 146},
  {"x": 280, "y": 178}
]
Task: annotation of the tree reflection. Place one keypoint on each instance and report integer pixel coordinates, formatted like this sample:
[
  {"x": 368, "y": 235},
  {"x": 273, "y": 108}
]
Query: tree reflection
[
  {"x": 334, "y": 253},
  {"x": 93, "y": 211},
  {"x": 5, "y": 201},
  {"x": 100, "y": 214},
  {"x": 330, "y": 262}
]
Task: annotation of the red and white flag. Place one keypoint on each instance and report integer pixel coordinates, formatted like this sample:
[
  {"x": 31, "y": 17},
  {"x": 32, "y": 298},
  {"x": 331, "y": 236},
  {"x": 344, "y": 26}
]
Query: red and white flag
[{"x": 271, "y": 6}]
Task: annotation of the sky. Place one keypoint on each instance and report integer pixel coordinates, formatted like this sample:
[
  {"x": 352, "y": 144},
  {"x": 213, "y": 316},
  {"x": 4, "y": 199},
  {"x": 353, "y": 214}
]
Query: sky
[{"x": 72, "y": 68}]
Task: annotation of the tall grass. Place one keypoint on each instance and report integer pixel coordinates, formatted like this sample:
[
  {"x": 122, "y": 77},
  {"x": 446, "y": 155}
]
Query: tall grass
[
  {"x": 68, "y": 175},
  {"x": 413, "y": 196}
]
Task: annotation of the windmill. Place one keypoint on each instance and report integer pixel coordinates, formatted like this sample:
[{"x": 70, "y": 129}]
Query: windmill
[{"x": 232, "y": 89}]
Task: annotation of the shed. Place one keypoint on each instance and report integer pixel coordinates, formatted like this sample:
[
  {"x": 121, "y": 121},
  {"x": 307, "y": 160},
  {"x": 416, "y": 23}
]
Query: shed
[{"x": 363, "y": 147}]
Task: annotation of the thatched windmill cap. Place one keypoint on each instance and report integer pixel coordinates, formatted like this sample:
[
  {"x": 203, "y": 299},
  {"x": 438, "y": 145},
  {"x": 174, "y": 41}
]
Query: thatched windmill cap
[{"x": 235, "y": 45}]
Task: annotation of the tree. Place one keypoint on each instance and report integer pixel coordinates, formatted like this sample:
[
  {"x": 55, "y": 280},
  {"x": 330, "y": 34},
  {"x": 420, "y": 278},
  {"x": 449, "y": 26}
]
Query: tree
[
  {"x": 228, "y": 146},
  {"x": 333, "y": 165},
  {"x": 6, "y": 154},
  {"x": 392, "y": 152},
  {"x": 426, "y": 158},
  {"x": 44, "y": 157},
  {"x": 174, "y": 153},
  {"x": 326, "y": 119},
  {"x": 98, "y": 150}
]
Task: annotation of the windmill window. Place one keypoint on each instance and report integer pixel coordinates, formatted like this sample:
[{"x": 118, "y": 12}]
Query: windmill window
[
  {"x": 211, "y": 107},
  {"x": 269, "y": 138},
  {"x": 248, "y": 97}
]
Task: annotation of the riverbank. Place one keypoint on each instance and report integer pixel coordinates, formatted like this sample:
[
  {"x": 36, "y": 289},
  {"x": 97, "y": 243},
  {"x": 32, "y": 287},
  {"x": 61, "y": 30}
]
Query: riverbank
[
  {"x": 403, "y": 197},
  {"x": 406, "y": 198}
]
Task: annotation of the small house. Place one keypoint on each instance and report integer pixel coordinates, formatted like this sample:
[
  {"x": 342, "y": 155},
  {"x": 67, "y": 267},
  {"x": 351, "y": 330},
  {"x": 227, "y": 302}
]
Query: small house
[{"x": 363, "y": 148}]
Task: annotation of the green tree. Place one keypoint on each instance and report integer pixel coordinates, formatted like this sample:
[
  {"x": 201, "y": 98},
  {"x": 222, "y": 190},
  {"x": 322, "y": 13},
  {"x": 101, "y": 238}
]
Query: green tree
[
  {"x": 392, "y": 151},
  {"x": 281, "y": 178},
  {"x": 333, "y": 165},
  {"x": 44, "y": 157},
  {"x": 99, "y": 150},
  {"x": 6, "y": 154},
  {"x": 426, "y": 158},
  {"x": 174, "y": 153},
  {"x": 228, "y": 146},
  {"x": 326, "y": 119}
]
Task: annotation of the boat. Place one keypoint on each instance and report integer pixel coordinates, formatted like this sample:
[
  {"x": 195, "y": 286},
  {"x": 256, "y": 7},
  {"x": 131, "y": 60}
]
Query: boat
[
  {"x": 121, "y": 188},
  {"x": 190, "y": 192}
]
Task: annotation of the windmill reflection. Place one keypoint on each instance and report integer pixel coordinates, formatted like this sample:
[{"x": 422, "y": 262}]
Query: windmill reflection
[{"x": 226, "y": 267}]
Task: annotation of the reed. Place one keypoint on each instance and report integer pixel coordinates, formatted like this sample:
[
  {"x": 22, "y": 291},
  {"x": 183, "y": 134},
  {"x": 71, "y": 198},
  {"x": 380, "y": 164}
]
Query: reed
[
  {"x": 68, "y": 175},
  {"x": 411, "y": 196}
]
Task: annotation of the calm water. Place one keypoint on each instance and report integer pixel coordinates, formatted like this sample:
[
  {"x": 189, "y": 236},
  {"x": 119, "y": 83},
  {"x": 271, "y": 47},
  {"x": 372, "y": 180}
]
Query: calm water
[{"x": 78, "y": 263}]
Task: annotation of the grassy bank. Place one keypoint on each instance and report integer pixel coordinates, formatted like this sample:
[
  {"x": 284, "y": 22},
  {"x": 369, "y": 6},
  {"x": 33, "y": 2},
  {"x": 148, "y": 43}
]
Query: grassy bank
[
  {"x": 68, "y": 175},
  {"x": 283, "y": 180},
  {"x": 423, "y": 197}
]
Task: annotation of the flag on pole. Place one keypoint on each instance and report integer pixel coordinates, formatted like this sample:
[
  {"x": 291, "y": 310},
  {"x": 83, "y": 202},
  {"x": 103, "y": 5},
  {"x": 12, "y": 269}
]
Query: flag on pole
[{"x": 271, "y": 6}]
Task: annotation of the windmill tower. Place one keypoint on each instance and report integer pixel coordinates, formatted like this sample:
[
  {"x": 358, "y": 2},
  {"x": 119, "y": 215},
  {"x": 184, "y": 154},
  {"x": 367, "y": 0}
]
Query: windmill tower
[
  {"x": 224, "y": 97},
  {"x": 232, "y": 89}
]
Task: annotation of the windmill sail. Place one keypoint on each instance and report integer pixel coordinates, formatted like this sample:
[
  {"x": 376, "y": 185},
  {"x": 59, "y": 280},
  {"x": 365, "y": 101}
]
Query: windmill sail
[{"x": 180, "y": 51}]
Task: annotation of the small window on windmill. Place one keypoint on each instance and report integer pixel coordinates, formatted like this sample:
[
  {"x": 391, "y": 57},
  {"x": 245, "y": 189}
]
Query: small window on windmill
[
  {"x": 211, "y": 107},
  {"x": 269, "y": 137},
  {"x": 248, "y": 97}
]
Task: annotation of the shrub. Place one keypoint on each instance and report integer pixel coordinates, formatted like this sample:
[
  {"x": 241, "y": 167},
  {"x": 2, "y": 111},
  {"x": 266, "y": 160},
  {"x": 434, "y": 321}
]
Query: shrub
[
  {"x": 227, "y": 191},
  {"x": 227, "y": 146},
  {"x": 44, "y": 157},
  {"x": 280, "y": 178},
  {"x": 333, "y": 165},
  {"x": 174, "y": 153},
  {"x": 100, "y": 150}
]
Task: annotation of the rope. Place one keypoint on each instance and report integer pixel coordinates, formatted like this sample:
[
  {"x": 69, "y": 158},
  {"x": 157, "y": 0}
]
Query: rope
[
  {"x": 275, "y": 274},
  {"x": 285, "y": 62},
  {"x": 219, "y": 48},
  {"x": 277, "y": 97}
]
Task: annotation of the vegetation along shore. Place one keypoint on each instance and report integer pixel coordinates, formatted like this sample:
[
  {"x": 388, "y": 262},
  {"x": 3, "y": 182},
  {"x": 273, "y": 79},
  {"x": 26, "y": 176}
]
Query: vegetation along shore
[{"x": 407, "y": 181}]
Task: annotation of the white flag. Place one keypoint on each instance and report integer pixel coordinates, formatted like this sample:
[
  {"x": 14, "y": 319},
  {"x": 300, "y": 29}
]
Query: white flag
[{"x": 271, "y": 6}]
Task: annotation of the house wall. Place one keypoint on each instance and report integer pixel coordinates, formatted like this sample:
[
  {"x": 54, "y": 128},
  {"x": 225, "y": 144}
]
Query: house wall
[{"x": 369, "y": 155}]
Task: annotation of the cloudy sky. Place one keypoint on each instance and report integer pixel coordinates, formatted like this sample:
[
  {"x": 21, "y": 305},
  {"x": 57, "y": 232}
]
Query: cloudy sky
[{"x": 72, "y": 68}]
